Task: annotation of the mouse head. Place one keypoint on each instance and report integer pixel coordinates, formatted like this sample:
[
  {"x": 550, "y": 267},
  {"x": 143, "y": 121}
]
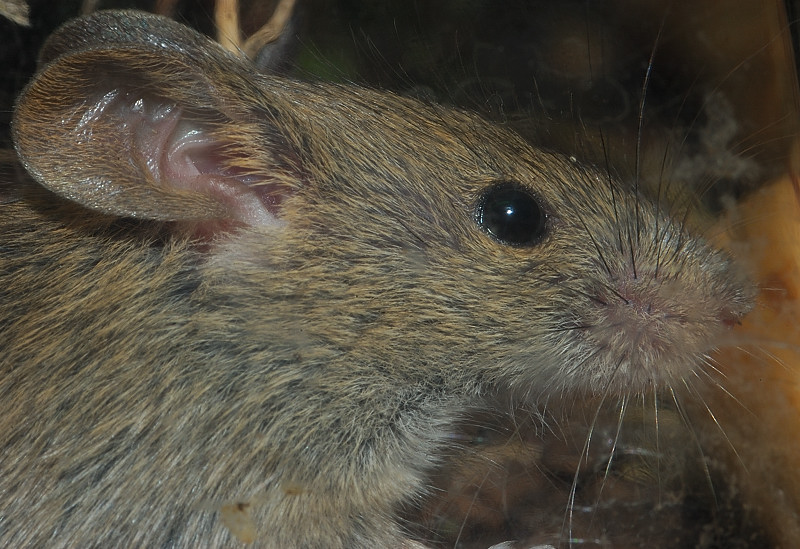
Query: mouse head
[{"x": 375, "y": 227}]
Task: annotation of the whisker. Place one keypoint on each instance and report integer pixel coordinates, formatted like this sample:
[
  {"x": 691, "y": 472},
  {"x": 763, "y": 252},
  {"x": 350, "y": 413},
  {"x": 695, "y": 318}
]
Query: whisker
[
  {"x": 597, "y": 247},
  {"x": 640, "y": 121},
  {"x": 612, "y": 452},
  {"x": 695, "y": 438}
]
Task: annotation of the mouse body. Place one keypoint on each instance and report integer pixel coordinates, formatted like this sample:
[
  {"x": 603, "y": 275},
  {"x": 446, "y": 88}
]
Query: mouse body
[{"x": 239, "y": 307}]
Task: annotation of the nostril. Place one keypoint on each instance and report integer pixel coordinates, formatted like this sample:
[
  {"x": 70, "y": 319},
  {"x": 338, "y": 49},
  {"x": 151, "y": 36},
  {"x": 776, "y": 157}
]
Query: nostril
[{"x": 729, "y": 319}]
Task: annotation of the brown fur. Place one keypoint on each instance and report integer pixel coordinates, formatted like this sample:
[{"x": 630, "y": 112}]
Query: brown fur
[{"x": 304, "y": 373}]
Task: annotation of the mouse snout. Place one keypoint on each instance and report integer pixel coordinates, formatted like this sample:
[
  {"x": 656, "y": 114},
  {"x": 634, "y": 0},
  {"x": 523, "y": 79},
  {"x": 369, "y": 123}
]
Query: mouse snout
[{"x": 655, "y": 326}]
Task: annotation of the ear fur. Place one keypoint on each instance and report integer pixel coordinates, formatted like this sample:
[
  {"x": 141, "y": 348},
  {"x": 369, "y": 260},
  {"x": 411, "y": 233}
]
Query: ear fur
[{"x": 136, "y": 115}]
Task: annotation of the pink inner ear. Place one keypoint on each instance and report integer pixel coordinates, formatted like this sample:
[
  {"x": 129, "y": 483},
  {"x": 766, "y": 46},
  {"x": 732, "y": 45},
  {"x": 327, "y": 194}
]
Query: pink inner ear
[{"x": 185, "y": 156}]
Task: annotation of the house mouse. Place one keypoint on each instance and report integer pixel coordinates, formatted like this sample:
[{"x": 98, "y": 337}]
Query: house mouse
[{"x": 242, "y": 308}]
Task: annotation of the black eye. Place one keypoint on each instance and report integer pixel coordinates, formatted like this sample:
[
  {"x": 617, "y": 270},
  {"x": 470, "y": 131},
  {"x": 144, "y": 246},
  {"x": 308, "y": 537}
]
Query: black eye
[{"x": 511, "y": 215}]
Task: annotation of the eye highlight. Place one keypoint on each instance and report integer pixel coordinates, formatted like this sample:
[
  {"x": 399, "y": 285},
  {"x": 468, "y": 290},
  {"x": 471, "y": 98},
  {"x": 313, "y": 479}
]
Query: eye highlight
[{"x": 511, "y": 214}]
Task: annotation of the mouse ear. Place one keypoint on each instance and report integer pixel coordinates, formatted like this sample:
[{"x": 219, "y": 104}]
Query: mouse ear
[{"x": 142, "y": 117}]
